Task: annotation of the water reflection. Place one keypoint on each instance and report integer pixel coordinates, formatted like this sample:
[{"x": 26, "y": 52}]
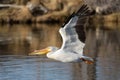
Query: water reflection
[
  {"x": 38, "y": 68},
  {"x": 17, "y": 41},
  {"x": 105, "y": 48},
  {"x": 21, "y": 39}
]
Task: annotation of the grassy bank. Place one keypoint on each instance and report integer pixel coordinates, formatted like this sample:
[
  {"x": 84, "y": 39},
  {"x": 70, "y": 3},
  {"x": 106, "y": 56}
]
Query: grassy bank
[{"x": 58, "y": 11}]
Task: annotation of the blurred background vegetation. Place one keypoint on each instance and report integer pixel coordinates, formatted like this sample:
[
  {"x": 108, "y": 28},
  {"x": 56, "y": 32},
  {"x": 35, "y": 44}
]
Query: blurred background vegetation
[{"x": 57, "y": 11}]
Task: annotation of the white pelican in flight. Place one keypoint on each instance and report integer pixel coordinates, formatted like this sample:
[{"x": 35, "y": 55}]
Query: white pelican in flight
[{"x": 73, "y": 43}]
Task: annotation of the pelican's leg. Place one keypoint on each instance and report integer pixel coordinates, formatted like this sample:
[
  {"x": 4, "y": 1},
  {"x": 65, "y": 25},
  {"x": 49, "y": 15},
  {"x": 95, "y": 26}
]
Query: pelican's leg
[{"x": 87, "y": 60}]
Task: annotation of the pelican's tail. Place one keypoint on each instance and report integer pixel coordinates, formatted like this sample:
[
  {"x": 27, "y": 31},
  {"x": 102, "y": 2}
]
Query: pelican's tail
[{"x": 87, "y": 60}]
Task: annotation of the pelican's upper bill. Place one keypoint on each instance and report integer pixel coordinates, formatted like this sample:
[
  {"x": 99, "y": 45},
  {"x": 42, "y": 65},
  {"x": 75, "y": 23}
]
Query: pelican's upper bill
[{"x": 41, "y": 52}]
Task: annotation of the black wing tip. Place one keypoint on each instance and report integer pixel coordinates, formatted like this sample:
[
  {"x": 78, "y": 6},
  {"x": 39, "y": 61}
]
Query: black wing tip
[
  {"x": 82, "y": 11},
  {"x": 68, "y": 18}
]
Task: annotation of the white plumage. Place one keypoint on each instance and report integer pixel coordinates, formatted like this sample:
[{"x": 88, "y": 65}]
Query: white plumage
[{"x": 73, "y": 44}]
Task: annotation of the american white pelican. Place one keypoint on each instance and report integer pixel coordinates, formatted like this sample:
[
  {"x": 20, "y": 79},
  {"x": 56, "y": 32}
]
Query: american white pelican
[{"x": 72, "y": 48}]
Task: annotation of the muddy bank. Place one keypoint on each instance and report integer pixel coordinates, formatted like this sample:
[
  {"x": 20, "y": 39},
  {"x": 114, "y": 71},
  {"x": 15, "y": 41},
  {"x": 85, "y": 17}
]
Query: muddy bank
[{"x": 57, "y": 11}]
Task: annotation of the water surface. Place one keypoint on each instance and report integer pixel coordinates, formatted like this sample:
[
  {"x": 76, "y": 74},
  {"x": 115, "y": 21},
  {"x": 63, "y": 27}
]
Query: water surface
[{"x": 17, "y": 41}]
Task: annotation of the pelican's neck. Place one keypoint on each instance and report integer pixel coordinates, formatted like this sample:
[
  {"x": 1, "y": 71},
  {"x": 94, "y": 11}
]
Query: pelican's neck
[{"x": 53, "y": 50}]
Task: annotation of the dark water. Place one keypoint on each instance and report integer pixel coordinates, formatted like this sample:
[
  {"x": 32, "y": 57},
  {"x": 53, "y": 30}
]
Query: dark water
[{"x": 17, "y": 41}]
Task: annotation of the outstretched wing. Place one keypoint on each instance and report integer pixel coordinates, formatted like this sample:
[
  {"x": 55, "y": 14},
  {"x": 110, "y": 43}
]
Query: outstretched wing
[{"x": 72, "y": 31}]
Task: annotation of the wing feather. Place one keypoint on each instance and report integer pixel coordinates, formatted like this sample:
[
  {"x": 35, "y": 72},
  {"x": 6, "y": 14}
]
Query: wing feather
[{"x": 72, "y": 32}]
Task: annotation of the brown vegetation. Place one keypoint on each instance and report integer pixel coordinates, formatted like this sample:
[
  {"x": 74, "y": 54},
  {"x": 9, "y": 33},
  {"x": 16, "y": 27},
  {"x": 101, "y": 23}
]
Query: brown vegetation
[{"x": 58, "y": 10}]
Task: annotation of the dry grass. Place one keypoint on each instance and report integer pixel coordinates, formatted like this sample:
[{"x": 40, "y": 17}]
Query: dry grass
[{"x": 56, "y": 13}]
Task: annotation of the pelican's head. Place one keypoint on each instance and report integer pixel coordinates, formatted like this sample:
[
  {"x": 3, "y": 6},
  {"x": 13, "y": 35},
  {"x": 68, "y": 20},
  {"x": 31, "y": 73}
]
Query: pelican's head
[{"x": 44, "y": 51}]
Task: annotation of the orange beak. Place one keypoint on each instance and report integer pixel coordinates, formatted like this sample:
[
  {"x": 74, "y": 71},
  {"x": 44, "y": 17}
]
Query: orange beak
[{"x": 40, "y": 52}]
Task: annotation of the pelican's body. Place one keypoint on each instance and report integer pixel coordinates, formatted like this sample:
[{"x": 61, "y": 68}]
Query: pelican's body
[
  {"x": 73, "y": 44},
  {"x": 64, "y": 55}
]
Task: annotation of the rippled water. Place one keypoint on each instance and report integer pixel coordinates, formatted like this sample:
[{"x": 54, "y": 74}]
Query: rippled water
[{"x": 17, "y": 41}]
